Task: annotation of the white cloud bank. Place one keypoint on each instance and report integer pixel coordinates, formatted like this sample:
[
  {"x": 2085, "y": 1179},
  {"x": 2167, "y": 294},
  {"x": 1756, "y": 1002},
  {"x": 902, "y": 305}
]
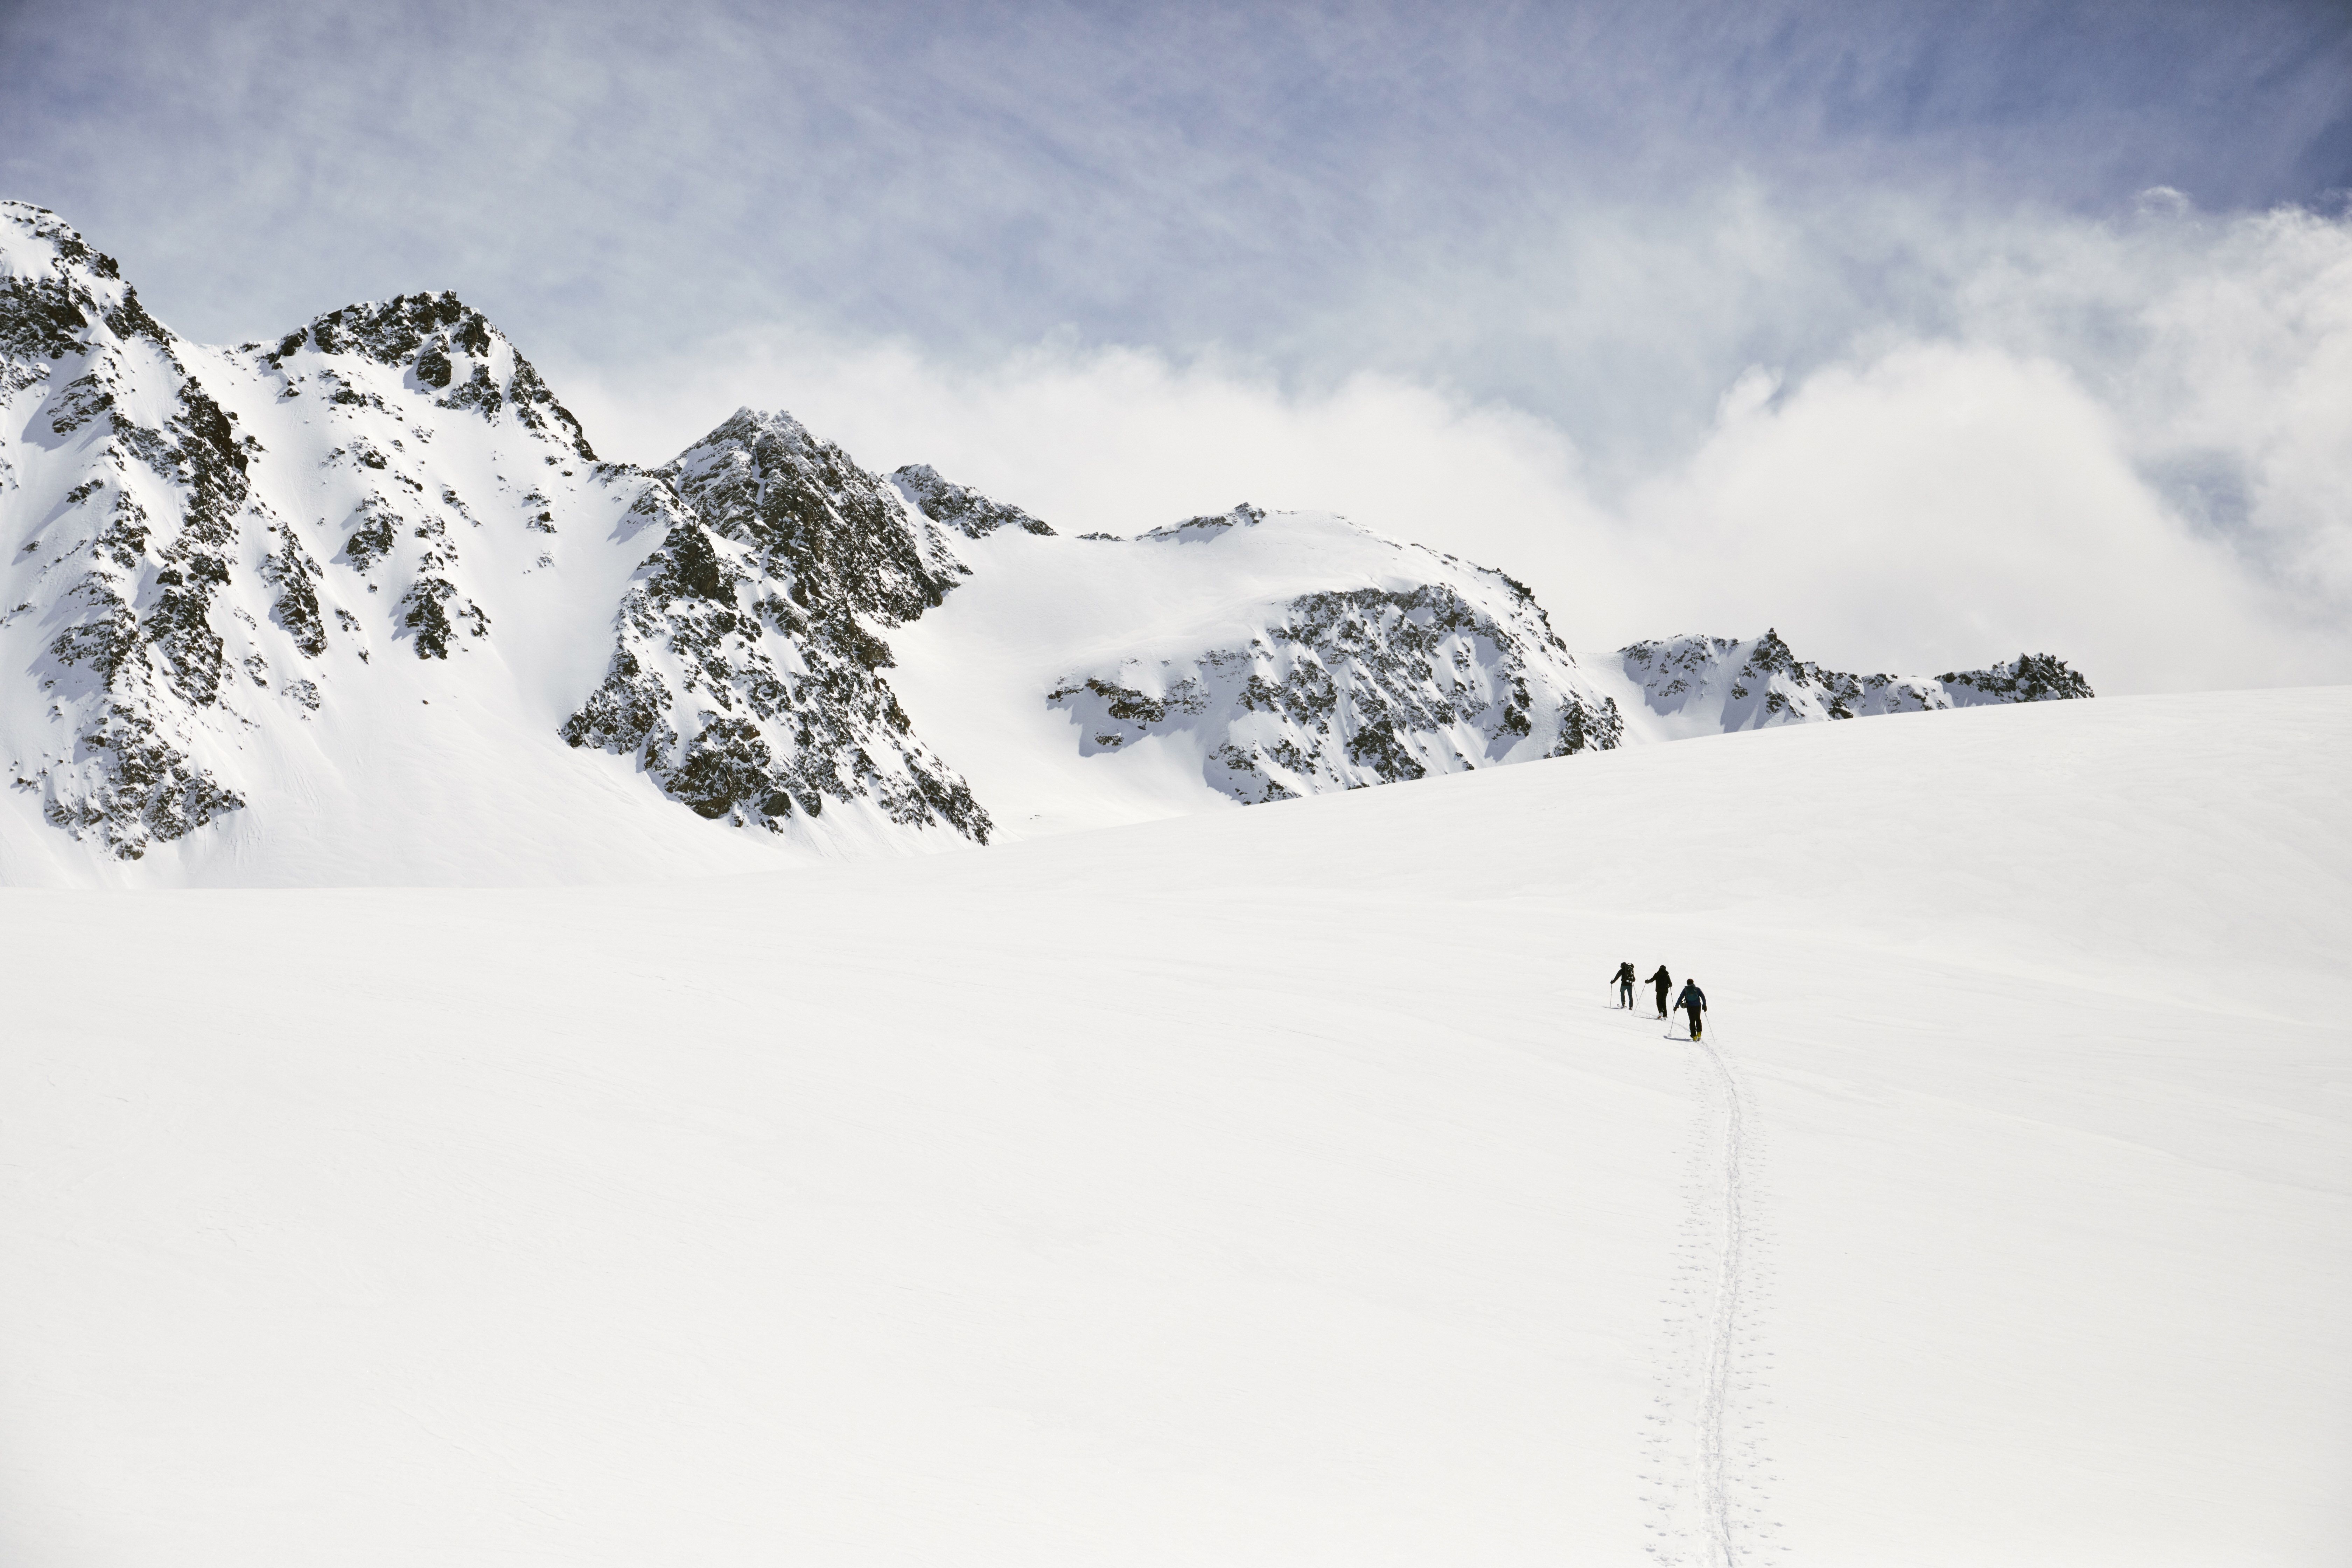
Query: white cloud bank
[{"x": 2126, "y": 443}]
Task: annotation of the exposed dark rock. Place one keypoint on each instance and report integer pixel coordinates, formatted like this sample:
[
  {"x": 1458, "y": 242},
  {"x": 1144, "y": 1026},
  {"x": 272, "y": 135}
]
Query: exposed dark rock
[
  {"x": 41, "y": 318},
  {"x": 433, "y": 610},
  {"x": 208, "y": 460},
  {"x": 85, "y": 398},
  {"x": 479, "y": 392},
  {"x": 835, "y": 535},
  {"x": 1764, "y": 683},
  {"x": 129, "y": 787},
  {"x": 2028, "y": 677},
  {"x": 960, "y": 508},
  {"x": 726, "y": 763},
  {"x": 425, "y": 334},
  {"x": 1365, "y": 686},
  {"x": 45, "y": 318},
  {"x": 626, "y": 711},
  {"x": 129, "y": 319},
  {"x": 1194, "y": 529},
  {"x": 1590, "y": 727},
  {"x": 764, "y": 605}
]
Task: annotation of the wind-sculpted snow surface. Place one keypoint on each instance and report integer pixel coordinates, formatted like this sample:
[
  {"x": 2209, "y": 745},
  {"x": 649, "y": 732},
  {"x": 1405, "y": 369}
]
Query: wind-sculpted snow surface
[{"x": 1709, "y": 685}]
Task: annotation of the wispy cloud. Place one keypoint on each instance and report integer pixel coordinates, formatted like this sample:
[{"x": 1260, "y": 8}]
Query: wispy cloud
[{"x": 980, "y": 176}]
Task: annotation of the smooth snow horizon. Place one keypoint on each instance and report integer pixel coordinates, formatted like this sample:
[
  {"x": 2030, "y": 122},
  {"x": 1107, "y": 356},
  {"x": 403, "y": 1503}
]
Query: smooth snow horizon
[{"x": 1270, "y": 1186}]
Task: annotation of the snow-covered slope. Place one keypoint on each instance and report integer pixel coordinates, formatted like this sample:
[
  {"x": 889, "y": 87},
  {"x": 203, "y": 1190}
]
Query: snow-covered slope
[
  {"x": 1239, "y": 658},
  {"x": 361, "y": 606},
  {"x": 1276, "y": 1185}
]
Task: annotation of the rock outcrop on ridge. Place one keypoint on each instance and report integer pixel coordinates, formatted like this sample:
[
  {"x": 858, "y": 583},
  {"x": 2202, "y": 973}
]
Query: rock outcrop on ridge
[
  {"x": 967, "y": 510},
  {"x": 1349, "y": 686},
  {"x": 1730, "y": 684},
  {"x": 371, "y": 577},
  {"x": 748, "y": 679}
]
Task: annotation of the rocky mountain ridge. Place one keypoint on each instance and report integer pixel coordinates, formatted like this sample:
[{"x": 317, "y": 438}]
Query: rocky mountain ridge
[
  {"x": 1343, "y": 688},
  {"x": 1747, "y": 684},
  {"x": 371, "y": 578},
  {"x": 779, "y": 563}
]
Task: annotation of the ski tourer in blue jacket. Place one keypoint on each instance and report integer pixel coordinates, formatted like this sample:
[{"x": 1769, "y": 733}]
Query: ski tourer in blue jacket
[{"x": 1692, "y": 1002}]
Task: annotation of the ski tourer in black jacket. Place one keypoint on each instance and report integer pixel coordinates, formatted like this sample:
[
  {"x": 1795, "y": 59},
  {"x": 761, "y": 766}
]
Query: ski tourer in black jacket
[{"x": 1664, "y": 983}]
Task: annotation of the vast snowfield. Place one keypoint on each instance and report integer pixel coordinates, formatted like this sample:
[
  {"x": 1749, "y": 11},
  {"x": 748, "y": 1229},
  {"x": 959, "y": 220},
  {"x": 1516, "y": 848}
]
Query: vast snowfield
[{"x": 1274, "y": 1186}]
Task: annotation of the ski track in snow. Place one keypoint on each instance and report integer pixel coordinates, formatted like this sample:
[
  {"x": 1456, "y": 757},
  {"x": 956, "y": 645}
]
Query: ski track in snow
[
  {"x": 1714, "y": 1495},
  {"x": 1708, "y": 1499}
]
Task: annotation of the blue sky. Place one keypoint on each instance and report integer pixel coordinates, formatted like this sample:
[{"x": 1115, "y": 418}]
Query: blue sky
[{"x": 1589, "y": 236}]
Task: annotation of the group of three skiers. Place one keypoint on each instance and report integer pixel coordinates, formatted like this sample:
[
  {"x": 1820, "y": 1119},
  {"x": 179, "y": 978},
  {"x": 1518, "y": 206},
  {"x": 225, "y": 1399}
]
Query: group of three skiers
[{"x": 1693, "y": 1001}]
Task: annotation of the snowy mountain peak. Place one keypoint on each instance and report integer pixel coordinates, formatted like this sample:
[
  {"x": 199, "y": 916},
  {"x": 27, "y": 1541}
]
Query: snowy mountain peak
[
  {"x": 958, "y": 506},
  {"x": 833, "y": 535},
  {"x": 746, "y": 680},
  {"x": 37, "y": 244},
  {"x": 212, "y": 548},
  {"x": 744, "y": 430},
  {"x": 59, "y": 297},
  {"x": 434, "y": 346}
]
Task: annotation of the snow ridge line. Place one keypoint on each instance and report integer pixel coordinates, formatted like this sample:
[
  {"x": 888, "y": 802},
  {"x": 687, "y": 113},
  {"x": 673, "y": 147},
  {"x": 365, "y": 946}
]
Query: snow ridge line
[{"x": 1712, "y": 1485}]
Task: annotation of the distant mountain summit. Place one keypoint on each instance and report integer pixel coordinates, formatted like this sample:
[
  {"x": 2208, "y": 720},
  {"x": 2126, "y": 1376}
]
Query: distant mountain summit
[
  {"x": 1706, "y": 685},
  {"x": 1434, "y": 666},
  {"x": 360, "y": 604}
]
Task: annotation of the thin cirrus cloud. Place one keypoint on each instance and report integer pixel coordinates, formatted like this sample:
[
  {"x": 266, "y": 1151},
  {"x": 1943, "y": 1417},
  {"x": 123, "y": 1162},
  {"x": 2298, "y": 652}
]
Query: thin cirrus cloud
[{"x": 1852, "y": 319}]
